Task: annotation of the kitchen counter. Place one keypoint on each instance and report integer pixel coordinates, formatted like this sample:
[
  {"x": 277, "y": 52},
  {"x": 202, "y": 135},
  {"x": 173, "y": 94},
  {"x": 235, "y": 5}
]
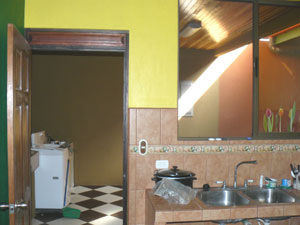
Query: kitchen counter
[{"x": 159, "y": 211}]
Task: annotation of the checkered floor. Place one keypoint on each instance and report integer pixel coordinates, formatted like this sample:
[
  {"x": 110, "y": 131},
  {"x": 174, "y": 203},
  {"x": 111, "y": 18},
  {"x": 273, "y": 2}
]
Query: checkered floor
[{"x": 98, "y": 205}]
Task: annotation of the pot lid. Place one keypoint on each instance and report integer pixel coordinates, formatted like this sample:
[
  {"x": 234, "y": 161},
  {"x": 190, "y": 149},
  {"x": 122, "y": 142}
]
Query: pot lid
[{"x": 175, "y": 172}]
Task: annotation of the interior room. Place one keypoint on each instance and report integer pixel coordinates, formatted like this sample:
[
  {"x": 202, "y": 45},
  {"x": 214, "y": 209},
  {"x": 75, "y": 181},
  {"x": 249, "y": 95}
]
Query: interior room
[
  {"x": 69, "y": 92},
  {"x": 242, "y": 126},
  {"x": 69, "y": 101}
]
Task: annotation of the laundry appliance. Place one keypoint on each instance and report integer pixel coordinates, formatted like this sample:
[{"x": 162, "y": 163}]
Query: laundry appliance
[{"x": 53, "y": 177}]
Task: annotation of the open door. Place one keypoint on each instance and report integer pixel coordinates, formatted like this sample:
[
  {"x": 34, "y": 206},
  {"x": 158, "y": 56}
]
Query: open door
[{"x": 18, "y": 127}]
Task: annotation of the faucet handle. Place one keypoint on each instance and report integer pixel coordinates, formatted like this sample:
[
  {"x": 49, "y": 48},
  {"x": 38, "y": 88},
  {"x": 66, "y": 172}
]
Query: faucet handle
[
  {"x": 222, "y": 182},
  {"x": 246, "y": 183}
]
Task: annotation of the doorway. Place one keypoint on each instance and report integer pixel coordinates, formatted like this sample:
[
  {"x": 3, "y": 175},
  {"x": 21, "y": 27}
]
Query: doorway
[{"x": 79, "y": 99}]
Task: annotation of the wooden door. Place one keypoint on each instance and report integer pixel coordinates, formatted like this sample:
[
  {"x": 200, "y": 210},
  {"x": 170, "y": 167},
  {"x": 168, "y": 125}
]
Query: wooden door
[{"x": 18, "y": 126}]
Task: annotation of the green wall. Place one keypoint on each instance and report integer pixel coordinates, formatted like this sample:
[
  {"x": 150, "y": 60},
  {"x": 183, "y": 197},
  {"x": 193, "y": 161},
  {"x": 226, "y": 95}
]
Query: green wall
[{"x": 11, "y": 11}]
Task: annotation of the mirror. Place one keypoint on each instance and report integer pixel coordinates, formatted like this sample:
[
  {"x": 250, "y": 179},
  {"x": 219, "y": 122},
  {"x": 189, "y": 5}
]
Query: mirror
[{"x": 215, "y": 70}]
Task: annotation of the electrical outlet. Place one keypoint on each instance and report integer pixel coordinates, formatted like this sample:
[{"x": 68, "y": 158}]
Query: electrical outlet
[{"x": 162, "y": 164}]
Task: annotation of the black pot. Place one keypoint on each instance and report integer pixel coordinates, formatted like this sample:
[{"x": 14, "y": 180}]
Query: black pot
[{"x": 184, "y": 177}]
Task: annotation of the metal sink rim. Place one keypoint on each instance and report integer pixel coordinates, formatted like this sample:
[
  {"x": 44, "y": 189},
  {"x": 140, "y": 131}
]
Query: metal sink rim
[
  {"x": 240, "y": 191},
  {"x": 229, "y": 197},
  {"x": 260, "y": 191}
]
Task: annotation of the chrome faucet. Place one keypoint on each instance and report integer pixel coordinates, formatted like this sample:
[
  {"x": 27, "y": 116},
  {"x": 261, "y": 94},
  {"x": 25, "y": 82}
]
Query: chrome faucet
[{"x": 236, "y": 168}]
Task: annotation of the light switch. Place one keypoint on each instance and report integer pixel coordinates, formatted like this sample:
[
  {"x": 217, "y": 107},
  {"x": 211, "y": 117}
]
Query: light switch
[{"x": 162, "y": 164}]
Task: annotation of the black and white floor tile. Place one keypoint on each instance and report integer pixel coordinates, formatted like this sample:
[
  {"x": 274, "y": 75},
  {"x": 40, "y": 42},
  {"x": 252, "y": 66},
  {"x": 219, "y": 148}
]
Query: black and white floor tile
[{"x": 98, "y": 205}]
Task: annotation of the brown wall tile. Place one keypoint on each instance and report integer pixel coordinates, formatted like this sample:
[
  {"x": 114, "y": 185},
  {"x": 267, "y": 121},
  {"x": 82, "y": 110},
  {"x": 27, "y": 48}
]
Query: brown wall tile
[
  {"x": 291, "y": 210},
  {"x": 270, "y": 211},
  {"x": 278, "y": 222},
  {"x": 281, "y": 165},
  {"x": 169, "y": 126},
  {"x": 243, "y": 170},
  {"x": 197, "y": 164},
  {"x": 282, "y": 222},
  {"x": 149, "y": 213},
  {"x": 188, "y": 215},
  {"x": 132, "y": 126},
  {"x": 216, "y": 214},
  {"x": 131, "y": 207},
  {"x": 148, "y": 125},
  {"x": 192, "y": 206},
  {"x": 140, "y": 207},
  {"x": 263, "y": 166},
  {"x": 240, "y": 213},
  {"x": 174, "y": 160},
  {"x": 217, "y": 168},
  {"x": 159, "y": 126},
  {"x": 161, "y": 204},
  {"x": 193, "y": 223},
  {"x": 295, "y": 221},
  {"x": 145, "y": 167},
  {"x": 295, "y": 158},
  {"x": 164, "y": 217},
  {"x": 131, "y": 171}
]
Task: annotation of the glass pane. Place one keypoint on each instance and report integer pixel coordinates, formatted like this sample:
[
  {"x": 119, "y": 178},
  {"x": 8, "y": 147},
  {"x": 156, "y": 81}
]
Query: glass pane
[
  {"x": 279, "y": 69},
  {"x": 215, "y": 70}
]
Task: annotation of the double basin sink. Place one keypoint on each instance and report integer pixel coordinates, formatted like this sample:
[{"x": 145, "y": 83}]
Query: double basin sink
[{"x": 245, "y": 196}]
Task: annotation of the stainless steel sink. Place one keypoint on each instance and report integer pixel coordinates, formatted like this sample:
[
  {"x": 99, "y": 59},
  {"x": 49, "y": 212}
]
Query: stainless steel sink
[
  {"x": 265, "y": 195},
  {"x": 222, "y": 198}
]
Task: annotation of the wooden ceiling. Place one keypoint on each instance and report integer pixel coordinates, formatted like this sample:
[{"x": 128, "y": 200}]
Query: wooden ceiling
[{"x": 227, "y": 25}]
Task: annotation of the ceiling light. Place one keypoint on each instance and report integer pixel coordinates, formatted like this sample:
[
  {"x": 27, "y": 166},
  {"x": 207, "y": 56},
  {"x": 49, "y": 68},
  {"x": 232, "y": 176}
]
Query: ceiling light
[
  {"x": 190, "y": 28},
  {"x": 264, "y": 39}
]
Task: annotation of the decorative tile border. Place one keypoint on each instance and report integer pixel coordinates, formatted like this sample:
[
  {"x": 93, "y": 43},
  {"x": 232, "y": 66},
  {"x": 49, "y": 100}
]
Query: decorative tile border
[{"x": 197, "y": 149}]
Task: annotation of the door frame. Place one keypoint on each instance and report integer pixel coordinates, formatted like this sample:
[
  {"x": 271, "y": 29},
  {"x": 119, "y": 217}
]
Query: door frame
[{"x": 77, "y": 40}]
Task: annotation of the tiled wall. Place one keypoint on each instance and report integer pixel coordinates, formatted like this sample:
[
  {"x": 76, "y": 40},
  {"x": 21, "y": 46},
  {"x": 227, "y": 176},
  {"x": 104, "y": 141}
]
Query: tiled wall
[
  {"x": 290, "y": 221},
  {"x": 211, "y": 161}
]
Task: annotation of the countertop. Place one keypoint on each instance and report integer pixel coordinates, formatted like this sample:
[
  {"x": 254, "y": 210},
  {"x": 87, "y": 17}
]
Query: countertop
[{"x": 159, "y": 211}]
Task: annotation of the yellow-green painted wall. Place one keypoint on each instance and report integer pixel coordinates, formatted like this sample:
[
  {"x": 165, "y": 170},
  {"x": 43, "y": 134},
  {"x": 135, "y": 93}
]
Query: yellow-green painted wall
[{"x": 153, "y": 39}]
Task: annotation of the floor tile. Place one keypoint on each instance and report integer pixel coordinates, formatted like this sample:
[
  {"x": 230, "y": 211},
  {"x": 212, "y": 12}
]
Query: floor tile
[
  {"x": 107, "y": 220},
  {"x": 118, "y": 193},
  {"x": 90, "y": 215},
  {"x": 48, "y": 216},
  {"x": 79, "y": 189},
  {"x": 93, "y": 187},
  {"x": 37, "y": 222},
  {"x": 108, "y": 198},
  {"x": 66, "y": 221},
  {"x": 92, "y": 193},
  {"x": 99, "y": 205},
  {"x": 118, "y": 215},
  {"x": 75, "y": 206},
  {"x": 118, "y": 203},
  {"x": 108, "y": 209},
  {"x": 78, "y": 198},
  {"x": 90, "y": 203},
  {"x": 109, "y": 189}
]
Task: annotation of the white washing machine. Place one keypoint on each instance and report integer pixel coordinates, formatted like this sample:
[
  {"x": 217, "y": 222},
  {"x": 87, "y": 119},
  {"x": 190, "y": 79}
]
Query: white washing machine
[{"x": 52, "y": 177}]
